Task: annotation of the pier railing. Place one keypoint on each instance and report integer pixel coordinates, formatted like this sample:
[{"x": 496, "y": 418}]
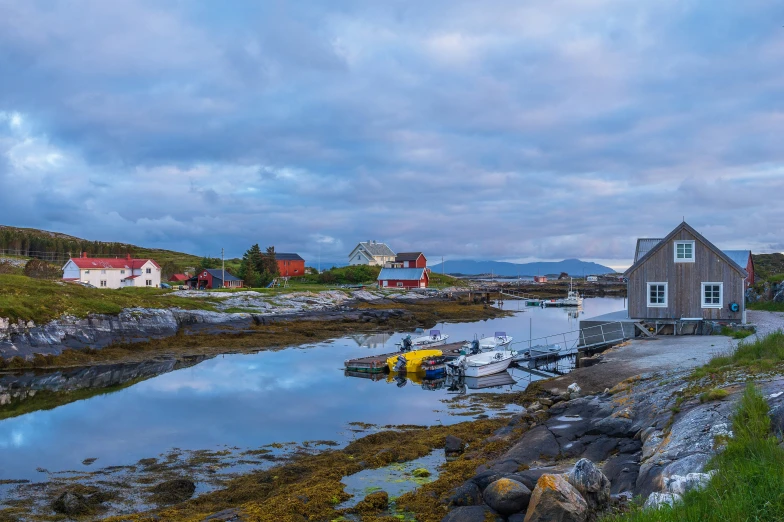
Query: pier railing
[{"x": 583, "y": 338}]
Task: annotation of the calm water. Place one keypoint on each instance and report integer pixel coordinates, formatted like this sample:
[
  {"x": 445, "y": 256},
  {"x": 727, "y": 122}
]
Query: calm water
[{"x": 248, "y": 401}]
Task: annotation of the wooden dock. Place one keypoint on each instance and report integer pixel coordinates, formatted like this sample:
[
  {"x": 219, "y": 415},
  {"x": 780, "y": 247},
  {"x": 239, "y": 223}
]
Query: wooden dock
[{"x": 378, "y": 363}]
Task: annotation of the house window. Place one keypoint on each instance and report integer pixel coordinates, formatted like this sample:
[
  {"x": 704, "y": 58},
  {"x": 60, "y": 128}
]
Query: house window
[
  {"x": 103, "y": 272},
  {"x": 400, "y": 284},
  {"x": 122, "y": 272},
  {"x": 103, "y": 283},
  {"x": 657, "y": 295},
  {"x": 712, "y": 295},
  {"x": 684, "y": 251},
  {"x": 149, "y": 282},
  {"x": 149, "y": 270},
  {"x": 86, "y": 271}
]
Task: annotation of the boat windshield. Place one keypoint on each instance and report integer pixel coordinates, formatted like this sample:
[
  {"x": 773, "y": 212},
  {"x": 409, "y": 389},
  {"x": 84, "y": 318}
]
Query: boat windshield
[{"x": 435, "y": 333}]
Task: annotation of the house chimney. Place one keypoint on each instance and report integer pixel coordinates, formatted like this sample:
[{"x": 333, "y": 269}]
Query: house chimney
[
  {"x": 84, "y": 255},
  {"x": 128, "y": 257}
]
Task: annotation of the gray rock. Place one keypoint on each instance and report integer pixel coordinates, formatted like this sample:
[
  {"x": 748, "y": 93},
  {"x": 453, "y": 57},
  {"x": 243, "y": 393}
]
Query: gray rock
[
  {"x": 693, "y": 481},
  {"x": 600, "y": 449},
  {"x": 555, "y": 500},
  {"x": 591, "y": 483},
  {"x": 537, "y": 444},
  {"x": 71, "y": 504},
  {"x": 468, "y": 494},
  {"x": 470, "y": 514},
  {"x": 621, "y": 471},
  {"x": 507, "y": 496},
  {"x": 226, "y": 515},
  {"x": 453, "y": 446},
  {"x": 658, "y": 500},
  {"x": 612, "y": 427},
  {"x": 485, "y": 478}
]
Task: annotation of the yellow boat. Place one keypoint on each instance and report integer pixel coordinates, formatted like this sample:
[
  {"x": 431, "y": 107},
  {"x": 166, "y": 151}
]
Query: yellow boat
[{"x": 413, "y": 360}]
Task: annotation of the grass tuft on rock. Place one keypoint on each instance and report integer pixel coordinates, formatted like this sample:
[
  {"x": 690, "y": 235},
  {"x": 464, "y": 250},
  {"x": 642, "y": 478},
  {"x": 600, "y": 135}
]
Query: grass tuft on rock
[
  {"x": 760, "y": 355},
  {"x": 749, "y": 480}
]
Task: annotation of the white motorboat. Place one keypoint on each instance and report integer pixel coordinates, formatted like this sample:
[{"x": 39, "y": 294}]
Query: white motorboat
[
  {"x": 479, "y": 365},
  {"x": 436, "y": 338},
  {"x": 572, "y": 299},
  {"x": 499, "y": 340}
]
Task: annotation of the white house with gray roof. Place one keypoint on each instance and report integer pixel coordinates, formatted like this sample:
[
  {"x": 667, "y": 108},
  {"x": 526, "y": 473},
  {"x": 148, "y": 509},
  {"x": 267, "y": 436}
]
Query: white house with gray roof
[{"x": 371, "y": 253}]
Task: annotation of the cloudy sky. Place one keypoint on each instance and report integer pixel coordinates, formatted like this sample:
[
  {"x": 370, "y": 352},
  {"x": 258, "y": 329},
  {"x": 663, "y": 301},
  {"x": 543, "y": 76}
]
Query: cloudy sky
[{"x": 506, "y": 130}]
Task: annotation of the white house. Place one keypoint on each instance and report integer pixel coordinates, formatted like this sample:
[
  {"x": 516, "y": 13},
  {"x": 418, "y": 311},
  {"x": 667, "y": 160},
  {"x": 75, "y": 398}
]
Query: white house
[
  {"x": 113, "y": 272},
  {"x": 371, "y": 253}
]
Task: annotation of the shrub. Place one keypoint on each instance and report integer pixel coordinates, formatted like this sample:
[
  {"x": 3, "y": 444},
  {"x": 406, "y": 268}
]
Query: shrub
[
  {"x": 714, "y": 394},
  {"x": 38, "y": 269}
]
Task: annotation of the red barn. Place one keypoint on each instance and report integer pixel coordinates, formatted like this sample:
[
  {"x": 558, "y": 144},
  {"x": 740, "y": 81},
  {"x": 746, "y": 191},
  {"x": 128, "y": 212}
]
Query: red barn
[
  {"x": 403, "y": 278},
  {"x": 411, "y": 260},
  {"x": 290, "y": 265},
  {"x": 212, "y": 278},
  {"x": 178, "y": 278}
]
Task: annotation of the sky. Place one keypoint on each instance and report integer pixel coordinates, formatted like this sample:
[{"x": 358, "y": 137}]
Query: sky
[{"x": 505, "y": 129}]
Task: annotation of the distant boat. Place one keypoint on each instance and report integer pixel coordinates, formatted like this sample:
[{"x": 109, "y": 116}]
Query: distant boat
[
  {"x": 436, "y": 338},
  {"x": 572, "y": 299},
  {"x": 486, "y": 363}
]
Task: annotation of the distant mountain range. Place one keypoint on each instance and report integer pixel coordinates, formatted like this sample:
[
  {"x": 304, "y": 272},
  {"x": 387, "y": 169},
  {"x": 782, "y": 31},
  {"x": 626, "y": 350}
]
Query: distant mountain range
[{"x": 573, "y": 267}]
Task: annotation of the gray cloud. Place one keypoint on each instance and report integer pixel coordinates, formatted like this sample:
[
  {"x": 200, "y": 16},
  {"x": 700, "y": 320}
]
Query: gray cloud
[{"x": 496, "y": 130}]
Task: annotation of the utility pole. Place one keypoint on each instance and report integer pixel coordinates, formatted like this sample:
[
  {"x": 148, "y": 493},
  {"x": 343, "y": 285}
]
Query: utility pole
[
  {"x": 223, "y": 269},
  {"x": 443, "y": 270}
]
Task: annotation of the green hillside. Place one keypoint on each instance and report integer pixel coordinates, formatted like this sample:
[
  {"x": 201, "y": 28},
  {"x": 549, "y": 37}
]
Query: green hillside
[{"x": 767, "y": 266}]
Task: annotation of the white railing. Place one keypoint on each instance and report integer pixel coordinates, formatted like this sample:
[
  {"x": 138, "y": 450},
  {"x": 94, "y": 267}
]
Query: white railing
[{"x": 597, "y": 335}]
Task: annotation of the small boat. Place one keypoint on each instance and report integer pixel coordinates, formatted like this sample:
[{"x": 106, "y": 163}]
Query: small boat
[
  {"x": 434, "y": 367},
  {"x": 543, "y": 350},
  {"x": 435, "y": 338},
  {"x": 410, "y": 361},
  {"x": 499, "y": 340},
  {"x": 479, "y": 365}
]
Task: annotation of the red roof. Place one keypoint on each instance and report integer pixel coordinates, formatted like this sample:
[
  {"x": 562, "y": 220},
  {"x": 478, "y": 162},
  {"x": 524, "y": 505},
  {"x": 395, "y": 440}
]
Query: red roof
[
  {"x": 132, "y": 277},
  {"x": 178, "y": 277},
  {"x": 110, "y": 262}
]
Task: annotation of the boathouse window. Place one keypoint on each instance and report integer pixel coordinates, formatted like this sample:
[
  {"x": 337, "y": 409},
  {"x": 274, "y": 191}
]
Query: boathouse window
[
  {"x": 712, "y": 295},
  {"x": 657, "y": 295},
  {"x": 684, "y": 251}
]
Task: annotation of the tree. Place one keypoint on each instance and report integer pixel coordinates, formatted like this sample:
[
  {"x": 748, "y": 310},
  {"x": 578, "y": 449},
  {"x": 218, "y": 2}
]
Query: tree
[
  {"x": 269, "y": 263},
  {"x": 42, "y": 270},
  {"x": 249, "y": 274},
  {"x": 168, "y": 269},
  {"x": 208, "y": 262}
]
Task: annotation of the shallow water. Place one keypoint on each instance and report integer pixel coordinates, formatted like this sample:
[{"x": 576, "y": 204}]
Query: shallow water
[{"x": 247, "y": 401}]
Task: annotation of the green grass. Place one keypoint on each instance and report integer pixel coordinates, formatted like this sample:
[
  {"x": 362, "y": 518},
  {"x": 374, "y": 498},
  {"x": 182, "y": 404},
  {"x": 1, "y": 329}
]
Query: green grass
[
  {"x": 39, "y": 300},
  {"x": 768, "y": 265},
  {"x": 760, "y": 355},
  {"x": 768, "y": 306},
  {"x": 735, "y": 334},
  {"x": 749, "y": 482},
  {"x": 445, "y": 281},
  {"x": 714, "y": 394}
]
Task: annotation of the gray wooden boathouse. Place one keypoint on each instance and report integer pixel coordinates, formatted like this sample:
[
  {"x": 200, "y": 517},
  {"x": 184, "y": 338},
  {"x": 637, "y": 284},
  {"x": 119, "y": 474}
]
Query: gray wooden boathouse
[{"x": 684, "y": 278}]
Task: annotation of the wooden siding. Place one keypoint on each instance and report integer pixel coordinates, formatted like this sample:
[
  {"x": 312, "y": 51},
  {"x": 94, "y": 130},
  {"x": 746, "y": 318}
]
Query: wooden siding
[{"x": 684, "y": 284}]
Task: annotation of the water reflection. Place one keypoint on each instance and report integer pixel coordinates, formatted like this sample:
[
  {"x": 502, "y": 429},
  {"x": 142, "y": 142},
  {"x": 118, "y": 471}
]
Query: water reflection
[{"x": 250, "y": 400}]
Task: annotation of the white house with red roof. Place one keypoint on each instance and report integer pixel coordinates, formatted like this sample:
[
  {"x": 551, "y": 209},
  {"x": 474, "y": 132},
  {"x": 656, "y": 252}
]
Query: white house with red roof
[{"x": 109, "y": 272}]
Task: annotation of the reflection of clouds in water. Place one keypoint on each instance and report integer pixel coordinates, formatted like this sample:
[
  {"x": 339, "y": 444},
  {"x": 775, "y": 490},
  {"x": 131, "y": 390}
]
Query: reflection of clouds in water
[{"x": 15, "y": 439}]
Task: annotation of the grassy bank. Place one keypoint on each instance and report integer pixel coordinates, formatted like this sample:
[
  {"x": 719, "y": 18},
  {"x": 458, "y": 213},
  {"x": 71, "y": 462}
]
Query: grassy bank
[
  {"x": 768, "y": 306},
  {"x": 259, "y": 337},
  {"x": 749, "y": 482},
  {"x": 41, "y": 301},
  {"x": 760, "y": 355}
]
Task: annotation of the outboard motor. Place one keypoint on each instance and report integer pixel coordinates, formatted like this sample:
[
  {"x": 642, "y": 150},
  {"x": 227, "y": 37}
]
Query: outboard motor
[
  {"x": 475, "y": 347},
  {"x": 400, "y": 381},
  {"x": 407, "y": 344},
  {"x": 400, "y": 365}
]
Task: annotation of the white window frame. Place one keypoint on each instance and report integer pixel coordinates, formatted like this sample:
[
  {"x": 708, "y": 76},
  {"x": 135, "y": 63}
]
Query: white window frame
[
  {"x": 721, "y": 295},
  {"x": 103, "y": 283},
  {"x": 666, "y": 294},
  {"x": 400, "y": 284},
  {"x": 148, "y": 282},
  {"x": 684, "y": 259}
]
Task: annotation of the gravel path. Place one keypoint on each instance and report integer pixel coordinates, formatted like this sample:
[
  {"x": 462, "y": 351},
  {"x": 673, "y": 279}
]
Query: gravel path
[{"x": 767, "y": 322}]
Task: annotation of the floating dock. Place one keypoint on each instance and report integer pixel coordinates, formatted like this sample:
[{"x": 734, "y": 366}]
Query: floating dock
[{"x": 378, "y": 363}]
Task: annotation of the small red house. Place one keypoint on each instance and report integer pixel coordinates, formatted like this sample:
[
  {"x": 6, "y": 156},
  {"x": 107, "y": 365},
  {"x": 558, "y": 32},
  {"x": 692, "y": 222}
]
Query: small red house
[
  {"x": 212, "y": 278},
  {"x": 403, "y": 278},
  {"x": 744, "y": 260},
  {"x": 540, "y": 279},
  {"x": 178, "y": 278},
  {"x": 411, "y": 260},
  {"x": 290, "y": 265}
]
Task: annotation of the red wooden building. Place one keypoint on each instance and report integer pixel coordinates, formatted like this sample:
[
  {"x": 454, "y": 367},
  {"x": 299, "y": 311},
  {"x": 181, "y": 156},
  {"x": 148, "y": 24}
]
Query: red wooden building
[
  {"x": 290, "y": 265},
  {"x": 178, "y": 278},
  {"x": 411, "y": 260},
  {"x": 213, "y": 278},
  {"x": 403, "y": 278}
]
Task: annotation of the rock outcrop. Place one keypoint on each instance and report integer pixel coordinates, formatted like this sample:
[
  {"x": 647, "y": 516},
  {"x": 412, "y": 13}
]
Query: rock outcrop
[{"x": 555, "y": 499}]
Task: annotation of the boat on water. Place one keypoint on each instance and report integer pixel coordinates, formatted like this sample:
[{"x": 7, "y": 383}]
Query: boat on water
[
  {"x": 410, "y": 362},
  {"x": 573, "y": 298},
  {"x": 434, "y": 367},
  {"x": 499, "y": 340},
  {"x": 481, "y": 364},
  {"x": 435, "y": 338}
]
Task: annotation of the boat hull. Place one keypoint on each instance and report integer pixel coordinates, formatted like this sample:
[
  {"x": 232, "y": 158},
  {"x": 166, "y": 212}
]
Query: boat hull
[
  {"x": 413, "y": 360},
  {"x": 488, "y": 369}
]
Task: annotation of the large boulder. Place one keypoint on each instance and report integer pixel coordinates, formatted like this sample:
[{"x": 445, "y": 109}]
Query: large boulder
[
  {"x": 467, "y": 494},
  {"x": 470, "y": 514},
  {"x": 658, "y": 500},
  {"x": 680, "y": 484},
  {"x": 591, "y": 483},
  {"x": 555, "y": 500},
  {"x": 538, "y": 444},
  {"x": 71, "y": 504},
  {"x": 453, "y": 446},
  {"x": 486, "y": 478},
  {"x": 507, "y": 496}
]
